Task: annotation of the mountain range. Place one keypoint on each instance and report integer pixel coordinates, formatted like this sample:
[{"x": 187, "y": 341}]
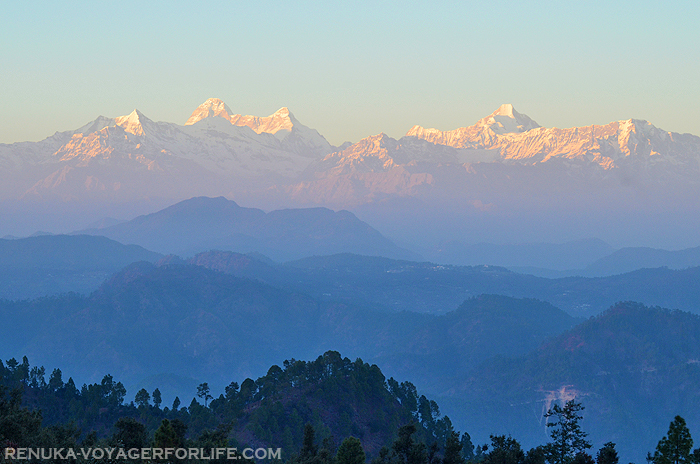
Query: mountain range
[
  {"x": 471, "y": 181},
  {"x": 288, "y": 274},
  {"x": 45, "y": 266}
]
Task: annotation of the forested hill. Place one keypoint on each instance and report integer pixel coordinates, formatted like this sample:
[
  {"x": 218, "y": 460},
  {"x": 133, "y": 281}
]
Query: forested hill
[
  {"x": 310, "y": 410},
  {"x": 339, "y": 397},
  {"x": 192, "y": 322},
  {"x": 634, "y": 367},
  {"x": 336, "y": 396}
]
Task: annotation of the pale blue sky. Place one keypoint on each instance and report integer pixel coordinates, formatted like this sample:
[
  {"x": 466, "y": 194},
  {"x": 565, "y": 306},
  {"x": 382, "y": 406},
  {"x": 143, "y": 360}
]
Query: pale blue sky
[{"x": 350, "y": 69}]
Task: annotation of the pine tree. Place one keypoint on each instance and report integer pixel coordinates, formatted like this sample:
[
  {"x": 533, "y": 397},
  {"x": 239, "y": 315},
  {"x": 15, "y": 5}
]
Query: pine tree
[
  {"x": 568, "y": 439},
  {"x": 583, "y": 458},
  {"x": 157, "y": 398},
  {"x": 308, "y": 448},
  {"x": 350, "y": 452},
  {"x": 408, "y": 451},
  {"x": 467, "y": 447},
  {"x": 203, "y": 392},
  {"x": 676, "y": 446},
  {"x": 129, "y": 433},
  {"x": 504, "y": 450},
  {"x": 56, "y": 380},
  {"x": 142, "y": 398},
  {"x": 535, "y": 456},
  {"x": 165, "y": 436},
  {"x": 453, "y": 449},
  {"x": 18, "y": 425},
  {"x": 607, "y": 454}
]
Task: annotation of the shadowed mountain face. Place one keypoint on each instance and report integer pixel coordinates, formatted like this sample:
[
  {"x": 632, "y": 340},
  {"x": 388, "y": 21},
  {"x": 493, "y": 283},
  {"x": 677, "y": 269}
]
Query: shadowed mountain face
[{"x": 201, "y": 224}]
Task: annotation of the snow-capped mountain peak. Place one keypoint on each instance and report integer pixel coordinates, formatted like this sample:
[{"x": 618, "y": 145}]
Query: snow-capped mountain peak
[
  {"x": 282, "y": 113},
  {"x": 506, "y": 120},
  {"x": 503, "y": 122},
  {"x": 505, "y": 109},
  {"x": 293, "y": 135},
  {"x": 133, "y": 123},
  {"x": 211, "y": 108},
  {"x": 280, "y": 120}
]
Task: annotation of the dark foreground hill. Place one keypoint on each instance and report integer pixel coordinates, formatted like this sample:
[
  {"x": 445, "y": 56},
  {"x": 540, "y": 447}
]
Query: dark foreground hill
[
  {"x": 633, "y": 367},
  {"x": 203, "y": 223},
  {"x": 50, "y": 264},
  {"x": 337, "y": 397}
]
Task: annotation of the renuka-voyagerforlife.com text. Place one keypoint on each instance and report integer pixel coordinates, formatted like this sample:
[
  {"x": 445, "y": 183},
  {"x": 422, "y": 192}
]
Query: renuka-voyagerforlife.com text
[{"x": 24, "y": 454}]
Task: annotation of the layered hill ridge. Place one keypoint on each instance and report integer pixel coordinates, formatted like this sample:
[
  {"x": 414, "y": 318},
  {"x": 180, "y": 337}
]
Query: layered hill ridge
[
  {"x": 203, "y": 223},
  {"x": 52, "y": 264},
  {"x": 633, "y": 367}
]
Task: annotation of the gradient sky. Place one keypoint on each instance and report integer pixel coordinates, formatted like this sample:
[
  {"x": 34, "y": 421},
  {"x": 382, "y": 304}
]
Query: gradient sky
[{"x": 350, "y": 69}]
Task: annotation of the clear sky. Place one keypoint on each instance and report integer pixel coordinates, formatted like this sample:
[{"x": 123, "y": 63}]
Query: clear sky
[{"x": 350, "y": 69}]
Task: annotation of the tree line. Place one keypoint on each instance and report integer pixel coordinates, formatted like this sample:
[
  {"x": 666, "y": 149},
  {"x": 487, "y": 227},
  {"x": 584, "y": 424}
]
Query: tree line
[{"x": 282, "y": 409}]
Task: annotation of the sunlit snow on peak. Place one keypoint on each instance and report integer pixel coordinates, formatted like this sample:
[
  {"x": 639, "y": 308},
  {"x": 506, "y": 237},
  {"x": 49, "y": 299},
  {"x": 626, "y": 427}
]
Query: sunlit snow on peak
[
  {"x": 213, "y": 107},
  {"x": 133, "y": 123}
]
